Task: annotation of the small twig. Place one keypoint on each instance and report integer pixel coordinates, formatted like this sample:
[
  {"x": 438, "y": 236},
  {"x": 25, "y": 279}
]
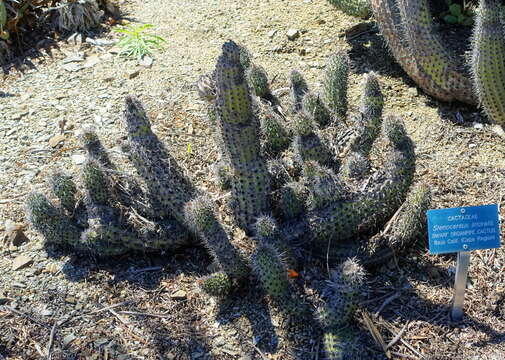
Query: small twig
[
  {"x": 119, "y": 317},
  {"x": 361, "y": 33},
  {"x": 24, "y": 315},
  {"x": 411, "y": 348},
  {"x": 51, "y": 340},
  {"x": 397, "y": 337},
  {"x": 259, "y": 352},
  {"x": 376, "y": 334},
  {"x": 144, "y": 314},
  {"x": 403, "y": 355},
  {"x": 386, "y": 302},
  {"x": 153, "y": 268}
]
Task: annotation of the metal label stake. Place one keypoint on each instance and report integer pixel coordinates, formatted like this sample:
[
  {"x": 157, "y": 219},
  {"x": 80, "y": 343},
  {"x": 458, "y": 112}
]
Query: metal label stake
[
  {"x": 463, "y": 230},
  {"x": 460, "y": 285}
]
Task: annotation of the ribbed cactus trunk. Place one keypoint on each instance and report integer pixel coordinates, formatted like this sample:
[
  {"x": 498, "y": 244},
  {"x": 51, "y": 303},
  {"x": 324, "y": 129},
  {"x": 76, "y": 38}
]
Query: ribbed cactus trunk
[
  {"x": 408, "y": 28},
  {"x": 240, "y": 134},
  {"x": 488, "y": 59}
]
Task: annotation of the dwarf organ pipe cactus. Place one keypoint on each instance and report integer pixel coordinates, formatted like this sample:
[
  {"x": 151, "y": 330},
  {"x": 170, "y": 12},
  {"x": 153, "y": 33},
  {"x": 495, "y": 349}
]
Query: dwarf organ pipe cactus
[{"x": 305, "y": 197}]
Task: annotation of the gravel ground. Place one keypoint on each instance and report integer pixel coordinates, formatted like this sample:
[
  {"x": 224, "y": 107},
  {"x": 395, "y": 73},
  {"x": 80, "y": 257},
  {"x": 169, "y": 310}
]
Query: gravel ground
[{"x": 60, "y": 301}]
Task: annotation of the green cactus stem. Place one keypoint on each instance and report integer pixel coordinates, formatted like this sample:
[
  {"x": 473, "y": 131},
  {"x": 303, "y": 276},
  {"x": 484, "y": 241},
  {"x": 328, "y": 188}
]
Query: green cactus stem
[
  {"x": 407, "y": 26},
  {"x": 358, "y": 8},
  {"x": 160, "y": 171},
  {"x": 307, "y": 145},
  {"x": 487, "y": 62},
  {"x": 258, "y": 78},
  {"x": 202, "y": 220},
  {"x": 341, "y": 344},
  {"x": 92, "y": 144},
  {"x": 51, "y": 222},
  {"x": 274, "y": 137},
  {"x": 335, "y": 84},
  {"x": 385, "y": 192},
  {"x": 298, "y": 88},
  {"x": 239, "y": 131},
  {"x": 291, "y": 200},
  {"x": 218, "y": 284},
  {"x": 314, "y": 108},
  {"x": 272, "y": 273},
  {"x": 65, "y": 190},
  {"x": 343, "y": 294}
]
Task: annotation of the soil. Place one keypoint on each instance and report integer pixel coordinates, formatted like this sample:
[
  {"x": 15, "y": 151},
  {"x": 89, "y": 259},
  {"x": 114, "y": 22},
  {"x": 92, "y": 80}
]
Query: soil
[{"x": 150, "y": 306}]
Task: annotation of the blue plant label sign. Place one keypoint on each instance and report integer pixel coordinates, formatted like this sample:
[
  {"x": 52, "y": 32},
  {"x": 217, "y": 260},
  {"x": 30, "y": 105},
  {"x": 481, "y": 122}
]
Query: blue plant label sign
[{"x": 463, "y": 229}]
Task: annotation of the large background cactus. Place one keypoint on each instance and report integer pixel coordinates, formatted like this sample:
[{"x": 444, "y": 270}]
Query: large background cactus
[{"x": 412, "y": 36}]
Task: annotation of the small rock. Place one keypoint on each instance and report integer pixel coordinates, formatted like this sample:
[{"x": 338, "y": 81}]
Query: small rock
[
  {"x": 293, "y": 34},
  {"x": 68, "y": 339},
  {"x": 179, "y": 295},
  {"x": 478, "y": 126},
  {"x": 471, "y": 146},
  {"x": 19, "y": 116},
  {"x": 169, "y": 356},
  {"x": 11, "y": 226},
  {"x": 91, "y": 61},
  {"x": 72, "y": 67},
  {"x": 79, "y": 57},
  {"x": 21, "y": 261},
  {"x": 56, "y": 140},
  {"x": 272, "y": 33},
  {"x": 46, "y": 312},
  {"x": 133, "y": 74},
  {"x": 70, "y": 300},
  {"x": 75, "y": 39},
  {"x": 146, "y": 61},
  {"x": 413, "y": 92},
  {"x": 17, "y": 237},
  {"x": 106, "y": 57},
  {"x": 78, "y": 159}
]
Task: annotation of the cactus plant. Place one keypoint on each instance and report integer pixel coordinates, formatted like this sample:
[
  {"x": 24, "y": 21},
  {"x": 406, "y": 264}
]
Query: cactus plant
[
  {"x": 408, "y": 28},
  {"x": 317, "y": 192},
  {"x": 358, "y": 8}
]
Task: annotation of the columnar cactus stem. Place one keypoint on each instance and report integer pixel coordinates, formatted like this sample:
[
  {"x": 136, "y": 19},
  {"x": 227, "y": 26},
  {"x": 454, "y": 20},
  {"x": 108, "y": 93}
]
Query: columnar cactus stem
[
  {"x": 408, "y": 29},
  {"x": 488, "y": 59},
  {"x": 336, "y": 78},
  {"x": 65, "y": 190},
  {"x": 160, "y": 171},
  {"x": 202, "y": 219},
  {"x": 358, "y": 8},
  {"x": 387, "y": 190},
  {"x": 239, "y": 131},
  {"x": 431, "y": 55},
  {"x": 299, "y": 88},
  {"x": 51, "y": 222}
]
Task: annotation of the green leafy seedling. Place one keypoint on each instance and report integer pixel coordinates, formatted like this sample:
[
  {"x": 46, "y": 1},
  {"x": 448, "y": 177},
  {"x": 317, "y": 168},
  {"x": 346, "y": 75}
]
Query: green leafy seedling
[
  {"x": 137, "y": 42},
  {"x": 457, "y": 14}
]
